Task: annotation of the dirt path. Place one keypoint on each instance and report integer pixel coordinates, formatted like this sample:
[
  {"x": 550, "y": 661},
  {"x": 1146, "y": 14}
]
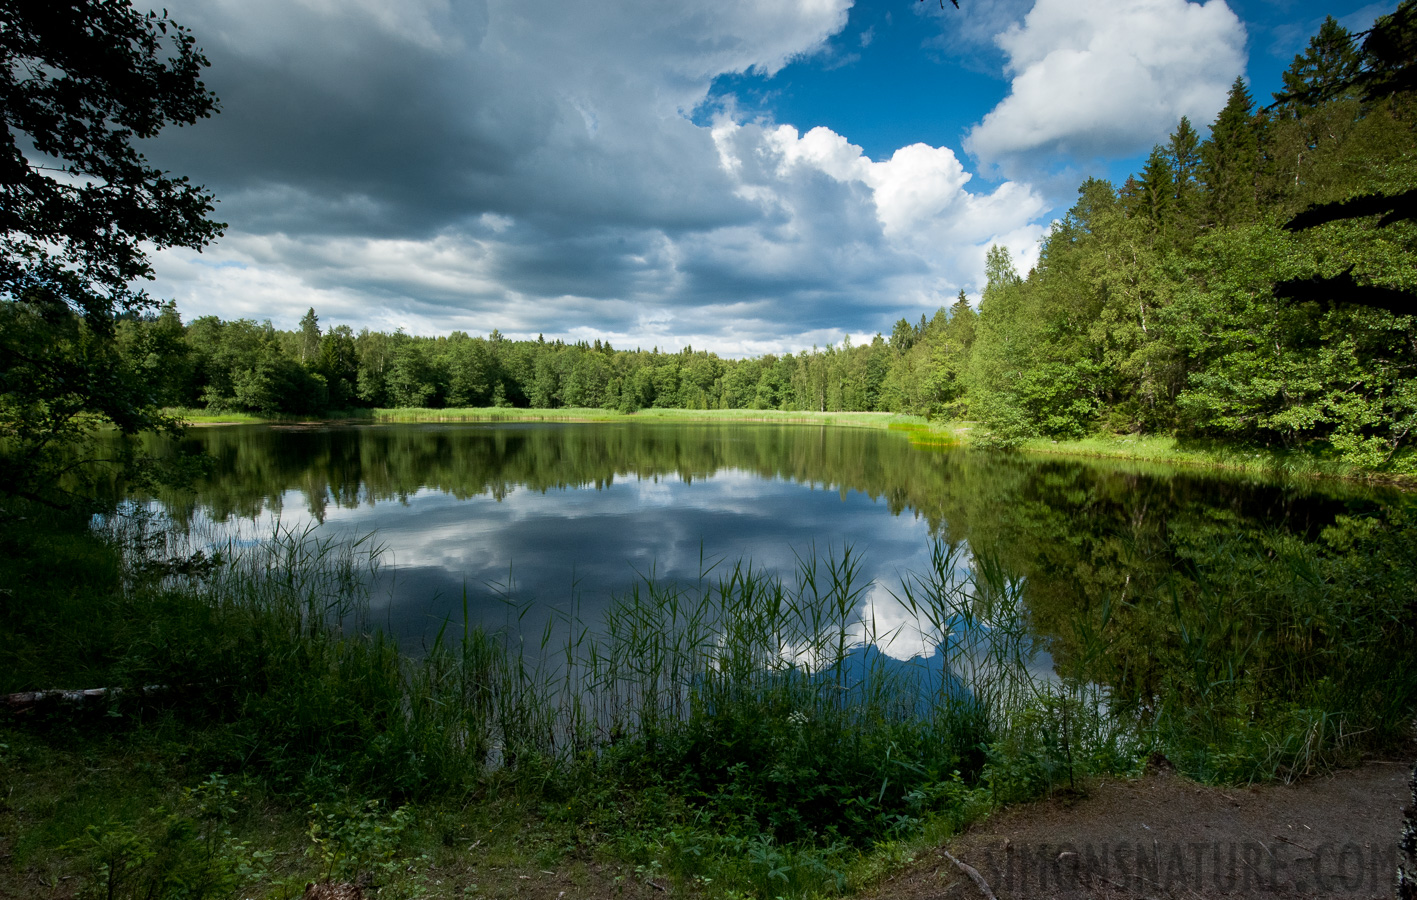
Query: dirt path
[{"x": 1162, "y": 836}]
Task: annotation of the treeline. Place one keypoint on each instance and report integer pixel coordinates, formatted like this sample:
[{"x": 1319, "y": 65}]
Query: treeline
[
  {"x": 1255, "y": 286},
  {"x": 246, "y": 366}
]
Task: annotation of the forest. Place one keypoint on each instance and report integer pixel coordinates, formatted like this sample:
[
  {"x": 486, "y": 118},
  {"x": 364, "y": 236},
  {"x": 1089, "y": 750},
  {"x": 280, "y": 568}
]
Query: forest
[{"x": 1253, "y": 287}]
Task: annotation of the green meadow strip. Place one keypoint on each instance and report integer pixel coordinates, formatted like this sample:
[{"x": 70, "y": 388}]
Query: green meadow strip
[
  {"x": 725, "y": 416},
  {"x": 1215, "y": 455}
]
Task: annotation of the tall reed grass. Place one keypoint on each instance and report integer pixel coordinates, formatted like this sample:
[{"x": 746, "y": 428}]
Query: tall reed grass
[{"x": 286, "y": 648}]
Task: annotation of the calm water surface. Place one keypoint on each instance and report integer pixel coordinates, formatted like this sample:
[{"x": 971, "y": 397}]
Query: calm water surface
[{"x": 563, "y": 516}]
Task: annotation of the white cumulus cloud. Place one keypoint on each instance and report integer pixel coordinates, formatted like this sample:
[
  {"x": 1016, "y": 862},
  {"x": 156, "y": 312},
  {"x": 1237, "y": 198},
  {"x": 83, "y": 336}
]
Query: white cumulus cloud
[
  {"x": 920, "y": 197},
  {"x": 1108, "y": 77}
]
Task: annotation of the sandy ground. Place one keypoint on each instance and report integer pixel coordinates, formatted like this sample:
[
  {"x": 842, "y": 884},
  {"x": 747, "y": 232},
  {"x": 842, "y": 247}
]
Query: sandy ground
[{"x": 1161, "y": 836}]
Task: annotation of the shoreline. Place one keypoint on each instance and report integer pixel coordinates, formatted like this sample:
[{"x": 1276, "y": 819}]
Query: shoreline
[{"x": 1159, "y": 449}]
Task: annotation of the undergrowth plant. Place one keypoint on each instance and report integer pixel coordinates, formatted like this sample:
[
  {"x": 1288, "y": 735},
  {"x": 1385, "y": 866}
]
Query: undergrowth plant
[
  {"x": 354, "y": 840},
  {"x": 184, "y": 853}
]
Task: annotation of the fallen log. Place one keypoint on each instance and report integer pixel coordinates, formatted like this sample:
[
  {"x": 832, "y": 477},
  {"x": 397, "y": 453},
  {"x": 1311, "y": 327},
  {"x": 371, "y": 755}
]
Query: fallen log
[{"x": 25, "y": 701}]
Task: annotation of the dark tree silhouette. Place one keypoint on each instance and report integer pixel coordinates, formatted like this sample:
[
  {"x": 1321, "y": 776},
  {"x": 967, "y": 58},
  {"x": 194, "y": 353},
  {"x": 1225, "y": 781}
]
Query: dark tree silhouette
[
  {"x": 80, "y": 82},
  {"x": 1392, "y": 208}
]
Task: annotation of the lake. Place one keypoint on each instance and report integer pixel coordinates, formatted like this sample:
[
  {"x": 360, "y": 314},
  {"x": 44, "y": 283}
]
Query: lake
[{"x": 558, "y": 518}]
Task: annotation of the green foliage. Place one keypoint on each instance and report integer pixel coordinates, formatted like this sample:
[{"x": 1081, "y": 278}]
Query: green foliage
[
  {"x": 763, "y": 767},
  {"x": 1287, "y": 373},
  {"x": 250, "y": 367},
  {"x": 1163, "y": 307},
  {"x": 1325, "y": 71},
  {"x": 1230, "y": 160},
  {"x": 1155, "y": 193},
  {"x": 62, "y": 379},
  {"x": 353, "y": 839},
  {"x": 81, "y": 82},
  {"x": 187, "y": 853}
]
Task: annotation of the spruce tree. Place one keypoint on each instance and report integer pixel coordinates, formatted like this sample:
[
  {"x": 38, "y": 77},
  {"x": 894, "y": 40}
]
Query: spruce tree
[
  {"x": 309, "y": 337},
  {"x": 959, "y": 329},
  {"x": 1230, "y": 160},
  {"x": 1183, "y": 151},
  {"x": 1326, "y": 70},
  {"x": 1156, "y": 191}
]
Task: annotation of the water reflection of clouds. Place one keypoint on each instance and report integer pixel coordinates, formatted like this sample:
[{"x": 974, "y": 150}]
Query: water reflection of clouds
[
  {"x": 566, "y": 548},
  {"x": 887, "y": 622}
]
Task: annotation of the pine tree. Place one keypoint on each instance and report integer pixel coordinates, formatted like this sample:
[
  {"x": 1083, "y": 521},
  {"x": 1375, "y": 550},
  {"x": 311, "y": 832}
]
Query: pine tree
[
  {"x": 1230, "y": 160},
  {"x": 959, "y": 328}
]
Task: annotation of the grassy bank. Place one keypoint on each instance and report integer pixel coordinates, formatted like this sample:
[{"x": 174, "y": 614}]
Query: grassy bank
[
  {"x": 249, "y": 705},
  {"x": 1213, "y": 455},
  {"x": 572, "y": 414},
  {"x": 724, "y": 416},
  {"x": 731, "y": 737},
  {"x": 200, "y": 417}
]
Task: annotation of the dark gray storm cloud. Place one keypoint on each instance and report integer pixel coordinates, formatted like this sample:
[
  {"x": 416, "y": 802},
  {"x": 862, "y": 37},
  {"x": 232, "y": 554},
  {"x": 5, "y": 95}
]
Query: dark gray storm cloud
[{"x": 533, "y": 167}]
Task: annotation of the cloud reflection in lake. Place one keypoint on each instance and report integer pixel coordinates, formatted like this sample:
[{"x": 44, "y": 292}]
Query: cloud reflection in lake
[{"x": 571, "y": 549}]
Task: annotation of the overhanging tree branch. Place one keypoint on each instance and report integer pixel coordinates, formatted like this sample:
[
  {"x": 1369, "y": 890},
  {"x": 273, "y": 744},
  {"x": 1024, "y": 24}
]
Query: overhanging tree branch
[
  {"x": 1392, "y": 208},
  {"x": 80, "y": 82},
  {"x": 1343, "y": 288}
]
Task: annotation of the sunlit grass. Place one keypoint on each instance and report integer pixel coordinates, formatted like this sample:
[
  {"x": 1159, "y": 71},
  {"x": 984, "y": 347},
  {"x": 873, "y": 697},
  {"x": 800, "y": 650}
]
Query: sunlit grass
[
  {"x": 1178, "y": 451},
  {"x": 205, "y": 417}
]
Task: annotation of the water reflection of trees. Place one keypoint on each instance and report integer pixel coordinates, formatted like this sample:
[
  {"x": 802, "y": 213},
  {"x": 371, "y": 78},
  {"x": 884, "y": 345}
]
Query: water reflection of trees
[
  {"x": 255, "y": 467},
  {"x": 1059, "y": 521},
  {"x": 1154, "y": 581}
]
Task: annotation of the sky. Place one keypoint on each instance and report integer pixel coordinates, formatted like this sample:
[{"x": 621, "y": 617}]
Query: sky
[{"x": 746, "y": 176}]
